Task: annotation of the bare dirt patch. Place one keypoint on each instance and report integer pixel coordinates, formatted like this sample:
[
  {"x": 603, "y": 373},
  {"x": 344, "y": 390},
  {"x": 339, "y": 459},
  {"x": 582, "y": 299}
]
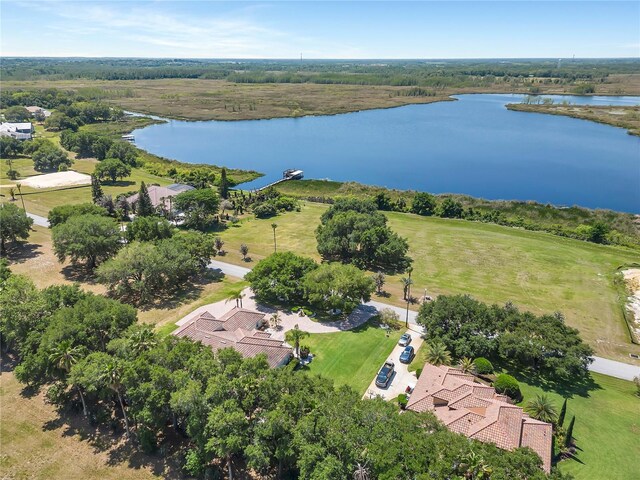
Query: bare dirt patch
[
  {"x": 58, "y": 179},
  {"x": 632, "y": 279}
]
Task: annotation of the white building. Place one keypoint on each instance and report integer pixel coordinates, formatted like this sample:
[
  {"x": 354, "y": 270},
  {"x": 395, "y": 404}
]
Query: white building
[{"x": 19, "y": 131}]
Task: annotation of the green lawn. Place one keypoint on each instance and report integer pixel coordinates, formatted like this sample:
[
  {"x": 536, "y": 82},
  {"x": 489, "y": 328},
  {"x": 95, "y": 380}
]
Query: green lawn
[
  {"x": 353, "y": 357},
  {"x": 607, "y": 429},
  {"x": 537, "y": 271}
]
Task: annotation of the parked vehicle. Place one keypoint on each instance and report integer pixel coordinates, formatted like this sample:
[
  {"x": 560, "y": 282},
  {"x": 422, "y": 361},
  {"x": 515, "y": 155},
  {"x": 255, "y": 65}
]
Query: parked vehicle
[
  {"x": 385, "y": 374},
  {"x": 407, "y": 354},
  {"x": 404, "y": 340}
]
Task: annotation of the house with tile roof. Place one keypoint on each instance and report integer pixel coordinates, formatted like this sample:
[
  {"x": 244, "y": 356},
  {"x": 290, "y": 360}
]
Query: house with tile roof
[
  {"x": 479, "y": 412},
  {"x": 162, "y": 195},
  {"x": 237, "y": 329}
]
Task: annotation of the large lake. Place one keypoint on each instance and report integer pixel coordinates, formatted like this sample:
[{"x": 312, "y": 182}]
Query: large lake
[{"x": 473, "y": 146}]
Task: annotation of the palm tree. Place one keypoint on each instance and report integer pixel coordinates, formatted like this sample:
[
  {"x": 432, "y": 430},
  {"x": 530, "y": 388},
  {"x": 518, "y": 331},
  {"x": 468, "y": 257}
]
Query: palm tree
[
  {"x": 64, "y": 356},
  {"x": 406, "y": 284},
  {"x": 437, "y": 354},
  {"x": 19, "y": 187},
  {"x": 142, "y": 340},
  {"x": 112, "y": 378},
  {"x": 541, "y": 408},
  {"x": 467, "y": 365},
  {"x": 409, "y": 272},
  {"x": 295, "y": 335},
  {"x": 237, "y": 296},
  {"x": 275, "y": 320},
  {"x": 275, "y": 245},
  {"x": 219, "y": 243}
]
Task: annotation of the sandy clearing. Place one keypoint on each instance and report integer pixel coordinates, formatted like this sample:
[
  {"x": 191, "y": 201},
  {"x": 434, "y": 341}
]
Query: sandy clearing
[
  {"x": 632, "y": 279},
  {"x": 59, "y": 179}
]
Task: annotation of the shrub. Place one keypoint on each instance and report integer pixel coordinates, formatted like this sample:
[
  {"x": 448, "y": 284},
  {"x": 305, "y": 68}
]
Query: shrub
[
  {"x": 265, "y": 210},
  {"x": 483, "y": 366},
  {"x": 507, "y": 385},
  {"x": 304, "y": 351},
  {"x": 402, "y": 400}
]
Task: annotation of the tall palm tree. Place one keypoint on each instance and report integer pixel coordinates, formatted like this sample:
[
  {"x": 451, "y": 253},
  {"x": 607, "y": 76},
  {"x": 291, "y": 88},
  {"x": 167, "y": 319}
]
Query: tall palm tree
[
  {"x": 142, "y": 340},
  {"x": 275, "y": 245},
  {"x": 64, "y": 356},
  {"x": 406, "y": 285},
  {"x": 467, "y": 365},
  {"x": 112, "y": 378},
  {"x": 295, "y": 335},
  {"x": 542, "y": 408},
  {"x": 237, "y": 296},
  {"x": 437, "y": 354}
]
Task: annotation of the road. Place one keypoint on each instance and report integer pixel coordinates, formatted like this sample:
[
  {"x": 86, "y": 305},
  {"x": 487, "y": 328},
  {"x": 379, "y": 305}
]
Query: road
[
  {"x": 38, "y": 220},
  {"x": 604, "y": 366}
]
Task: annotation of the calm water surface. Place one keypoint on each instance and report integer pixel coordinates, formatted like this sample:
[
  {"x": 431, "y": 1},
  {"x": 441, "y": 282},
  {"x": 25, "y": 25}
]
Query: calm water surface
[{"x": 473, "y": 146}]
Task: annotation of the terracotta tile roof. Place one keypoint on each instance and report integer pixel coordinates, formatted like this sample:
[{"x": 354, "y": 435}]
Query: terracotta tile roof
[
  {"x": 236, "y": 329},
  {"x": 159, "y": 195},
  {"x": 477, "y": 411}
]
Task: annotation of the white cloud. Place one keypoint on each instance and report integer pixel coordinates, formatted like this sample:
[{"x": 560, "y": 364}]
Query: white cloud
[{"x": 151, "y": 30}]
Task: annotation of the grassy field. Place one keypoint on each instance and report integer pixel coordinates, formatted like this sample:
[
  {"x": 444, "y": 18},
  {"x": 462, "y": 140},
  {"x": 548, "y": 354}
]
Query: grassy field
[
  {"x": 623, "y": 117},
  {"x": 202, "y": 99},
  {"x": 541, "y": 214},
  {"x": 36, "y": 444},
  {"x": 353, "y": 357},
  {"x": 538, "y": 272},
  {"x": 607, "y": 428}
]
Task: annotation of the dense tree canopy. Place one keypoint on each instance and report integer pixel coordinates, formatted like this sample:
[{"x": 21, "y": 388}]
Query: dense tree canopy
[
  {"x": 337, "y": 286},
  {"x": 279, "y": 277},
  {"x": 143, "y": 271},
  {"x": 112, "y": 169},
  {"x": 352, "y": 231},
  {"x": 86, "y": 238},
  {"x": 123, "y": 151},
  {"x": 472, "y": 329},
  {"x": 17, "y": 114},
  {"x": 199, "y": 207},
  {"x": 14, "y": 224},
  {"x": 62, "y": 213},
  {"x": 49, "y": 158},
  {"x": 148, "y": 229}
]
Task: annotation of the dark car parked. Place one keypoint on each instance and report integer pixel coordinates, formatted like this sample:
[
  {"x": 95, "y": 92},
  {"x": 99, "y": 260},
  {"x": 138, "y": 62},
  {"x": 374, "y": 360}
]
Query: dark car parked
[
  {"x": 407, "y": 354},
  {"x": 385, "y": 374}
]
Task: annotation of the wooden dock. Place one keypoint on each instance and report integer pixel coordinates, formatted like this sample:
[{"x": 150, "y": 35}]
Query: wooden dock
[{"x": 290, "y": 174}]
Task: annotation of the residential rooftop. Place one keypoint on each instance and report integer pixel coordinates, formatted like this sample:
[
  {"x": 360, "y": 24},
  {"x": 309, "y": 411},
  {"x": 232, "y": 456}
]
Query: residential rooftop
[
  {"x": 237, "y": 329},
  {"x": 479, "y": 412}
]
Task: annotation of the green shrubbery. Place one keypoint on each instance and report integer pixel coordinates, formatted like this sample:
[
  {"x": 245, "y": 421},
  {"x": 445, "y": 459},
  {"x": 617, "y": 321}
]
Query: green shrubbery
[
  {"x": 507, "y": 385},
  {"x": 483, "y": 366}
]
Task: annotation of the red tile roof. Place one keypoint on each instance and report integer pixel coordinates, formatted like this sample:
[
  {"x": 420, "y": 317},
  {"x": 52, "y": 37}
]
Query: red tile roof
[
  {"x": 477, "y": 411},
  {"x": 236, "y": 329}
]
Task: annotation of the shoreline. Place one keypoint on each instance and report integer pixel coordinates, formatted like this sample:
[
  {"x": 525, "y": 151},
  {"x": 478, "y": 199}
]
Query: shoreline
[{"x": 586, "y": 112}]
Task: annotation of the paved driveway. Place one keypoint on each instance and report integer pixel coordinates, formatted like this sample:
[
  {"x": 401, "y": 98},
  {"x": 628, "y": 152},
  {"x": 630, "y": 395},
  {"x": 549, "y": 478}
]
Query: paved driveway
[{"x": 401, "y": 378}]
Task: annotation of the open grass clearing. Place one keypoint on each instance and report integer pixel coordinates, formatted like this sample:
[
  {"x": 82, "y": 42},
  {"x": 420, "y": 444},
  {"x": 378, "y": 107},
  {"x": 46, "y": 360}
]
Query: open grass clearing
[
  {"x": 539, "y": 272},
  {"x": 607, "y": 428},
  {"x": 36, "y": 444},
  {"x": 351, "y": 357}
]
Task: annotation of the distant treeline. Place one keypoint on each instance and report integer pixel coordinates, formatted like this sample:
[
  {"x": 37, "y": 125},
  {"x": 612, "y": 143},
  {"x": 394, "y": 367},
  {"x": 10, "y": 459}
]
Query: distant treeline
[{"x": 433, "y": 73}]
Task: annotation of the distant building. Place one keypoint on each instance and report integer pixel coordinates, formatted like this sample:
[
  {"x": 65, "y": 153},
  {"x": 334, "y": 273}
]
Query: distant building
[
  {"x": 162, "y": 195},
  {"x": 477, "y": 411},
  {"x": 237, "y": 329},
  {"x": 19, "y": 131},
  {"x": 33, "y": 110}
]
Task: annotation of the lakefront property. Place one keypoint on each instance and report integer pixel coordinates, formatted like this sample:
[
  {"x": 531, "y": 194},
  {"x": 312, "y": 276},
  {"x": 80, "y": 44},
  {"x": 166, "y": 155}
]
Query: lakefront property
[{"x": 284, "y": 263}]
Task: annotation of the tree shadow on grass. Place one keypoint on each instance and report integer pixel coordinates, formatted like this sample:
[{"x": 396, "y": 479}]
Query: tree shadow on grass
[
  {"x": 188, "y": 293},
  {"x": 575, "y": 386},
  {"x": 166, "y": 461},
  {"x": 20, "y": 252},
  {"x": 79, "y": 273}
]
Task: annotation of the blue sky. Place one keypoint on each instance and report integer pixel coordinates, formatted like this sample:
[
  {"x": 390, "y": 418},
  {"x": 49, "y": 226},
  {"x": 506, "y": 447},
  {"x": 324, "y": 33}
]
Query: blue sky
[{"x": 279, "y": 29}]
